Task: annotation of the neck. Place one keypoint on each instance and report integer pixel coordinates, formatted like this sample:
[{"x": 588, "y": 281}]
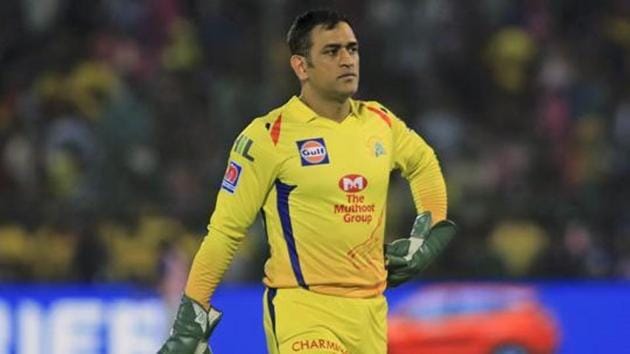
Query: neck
[{"x": 329, "y": 108}]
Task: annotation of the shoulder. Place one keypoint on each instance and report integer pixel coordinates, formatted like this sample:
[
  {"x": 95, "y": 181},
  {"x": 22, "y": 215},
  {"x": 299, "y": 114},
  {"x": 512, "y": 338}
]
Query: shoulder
[
  {"x": 372, "y": 104},
  {"x": 253, "y": 143},
  {"x": 376, "y": 110},
  {"x": 262, "y": 127}
]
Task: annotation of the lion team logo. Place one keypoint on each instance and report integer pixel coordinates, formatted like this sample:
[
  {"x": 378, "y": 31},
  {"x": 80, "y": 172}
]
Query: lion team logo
[
  {"x": 232, "y": 174},
  {"x": 379, "y": 149},
  {"x": 313, "y": 152},
  {"x": 352, "y": 183},
  {"x": 375, "y": 146}
]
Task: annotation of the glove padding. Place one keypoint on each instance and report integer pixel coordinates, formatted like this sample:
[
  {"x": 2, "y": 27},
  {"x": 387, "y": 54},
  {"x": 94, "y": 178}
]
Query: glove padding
[
  {"x": 192, "y": 329},
  {"x": 406, "y": 257}
]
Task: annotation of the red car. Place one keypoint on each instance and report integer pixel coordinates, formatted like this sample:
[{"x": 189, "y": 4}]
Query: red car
[{"x": 472, "y": 319}]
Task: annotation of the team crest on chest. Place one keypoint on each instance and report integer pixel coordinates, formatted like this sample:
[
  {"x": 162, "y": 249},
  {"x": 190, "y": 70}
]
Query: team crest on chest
[
  {"x": 376, "y": 147},
  {"x": 379, "y": 149},
  {"x": 313, "y": 152}
]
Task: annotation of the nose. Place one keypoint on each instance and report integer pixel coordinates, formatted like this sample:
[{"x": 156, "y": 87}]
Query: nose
[{"x": 345, "y": 58}]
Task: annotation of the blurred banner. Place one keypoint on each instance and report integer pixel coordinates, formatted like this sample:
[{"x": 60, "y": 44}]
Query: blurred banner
[
  {"x": 582, "y": 317},
  {"x": 80, "y": 319}
]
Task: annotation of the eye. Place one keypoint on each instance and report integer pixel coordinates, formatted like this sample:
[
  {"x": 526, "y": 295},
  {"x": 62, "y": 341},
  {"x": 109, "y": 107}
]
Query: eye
[{"x": 331, "y": 52}]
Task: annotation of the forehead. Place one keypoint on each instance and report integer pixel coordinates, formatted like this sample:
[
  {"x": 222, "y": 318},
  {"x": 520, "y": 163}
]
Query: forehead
[{"x": 340, "y": 34}]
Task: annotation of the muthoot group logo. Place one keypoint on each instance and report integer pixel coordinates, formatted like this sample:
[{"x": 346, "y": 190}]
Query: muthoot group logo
[{"x": 355, "y": 208}]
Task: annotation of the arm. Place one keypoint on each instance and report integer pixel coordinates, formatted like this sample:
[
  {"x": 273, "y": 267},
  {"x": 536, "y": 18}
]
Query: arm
[
  {"x": 431, "y": 232},
  {"x": 249, "y": 175},
  {"x": 419, "y": 165}
]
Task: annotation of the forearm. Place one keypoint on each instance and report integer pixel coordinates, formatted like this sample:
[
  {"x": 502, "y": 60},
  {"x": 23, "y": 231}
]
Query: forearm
[
  {"x": 429, "y": 190},
  {"x": 210, "y": 263}
]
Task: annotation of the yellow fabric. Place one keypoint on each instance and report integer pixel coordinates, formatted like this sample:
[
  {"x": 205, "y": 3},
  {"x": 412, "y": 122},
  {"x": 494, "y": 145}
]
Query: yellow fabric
[
  {"x": 210, "y": 262},
  {"x": 422, "y": 170},
  {"x": 301, "y": 321},
  {"x": 321, "y": 237}
]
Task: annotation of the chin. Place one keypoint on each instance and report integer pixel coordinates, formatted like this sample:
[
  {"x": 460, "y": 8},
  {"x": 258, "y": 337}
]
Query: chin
[
  {"x": 348, "y": 92},
  {"x": 344, "y": 95}
]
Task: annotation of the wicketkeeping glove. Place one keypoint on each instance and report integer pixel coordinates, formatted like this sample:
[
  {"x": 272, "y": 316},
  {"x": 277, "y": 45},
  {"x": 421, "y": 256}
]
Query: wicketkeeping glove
[
  {"x": 192, "y": 329},
  {"x": 406, "y": 257}
]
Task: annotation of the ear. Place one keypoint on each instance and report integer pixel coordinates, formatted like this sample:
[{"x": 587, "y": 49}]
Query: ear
[{"x": 299, "y": 64}]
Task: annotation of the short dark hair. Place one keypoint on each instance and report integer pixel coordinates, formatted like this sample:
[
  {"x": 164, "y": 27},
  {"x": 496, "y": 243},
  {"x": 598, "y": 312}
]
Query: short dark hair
[{"x": 299, "y": 36}]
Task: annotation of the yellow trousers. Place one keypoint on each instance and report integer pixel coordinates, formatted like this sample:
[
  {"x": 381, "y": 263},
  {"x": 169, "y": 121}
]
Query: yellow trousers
[{"x": 297, "y": 320}]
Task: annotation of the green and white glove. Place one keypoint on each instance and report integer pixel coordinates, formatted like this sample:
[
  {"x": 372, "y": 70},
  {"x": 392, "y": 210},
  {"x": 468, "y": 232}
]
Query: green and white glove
[
  {"x": 407, "y": 257},
  {"x": 192, "y": 329}
]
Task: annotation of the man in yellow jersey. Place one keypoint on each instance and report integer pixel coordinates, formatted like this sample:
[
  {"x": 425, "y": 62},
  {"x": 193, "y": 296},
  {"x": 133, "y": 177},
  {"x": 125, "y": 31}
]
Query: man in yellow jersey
[{"x": 318, "y": 169}]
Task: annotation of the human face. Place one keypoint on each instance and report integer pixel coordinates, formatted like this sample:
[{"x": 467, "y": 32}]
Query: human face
[{"x": 332, "y": 65}]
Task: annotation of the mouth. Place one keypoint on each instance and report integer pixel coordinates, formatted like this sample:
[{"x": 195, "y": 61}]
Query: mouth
[{"x": 345, "y": 76}]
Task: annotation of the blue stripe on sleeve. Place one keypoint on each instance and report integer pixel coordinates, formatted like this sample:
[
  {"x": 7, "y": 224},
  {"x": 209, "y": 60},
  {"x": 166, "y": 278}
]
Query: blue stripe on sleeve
[{"x": 283, "y": 191}]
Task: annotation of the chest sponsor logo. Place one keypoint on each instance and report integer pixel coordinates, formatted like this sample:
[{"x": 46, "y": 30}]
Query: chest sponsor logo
[
  {"x": 313, "y": 152},
  {"x": 356, "y": 208},
  {"x": 353, "y": 183},
  {"x": 232, "y": 175}
]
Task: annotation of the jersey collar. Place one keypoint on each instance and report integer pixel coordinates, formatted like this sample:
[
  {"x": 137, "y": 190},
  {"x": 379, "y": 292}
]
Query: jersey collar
[{"x": 301, "y": 112}]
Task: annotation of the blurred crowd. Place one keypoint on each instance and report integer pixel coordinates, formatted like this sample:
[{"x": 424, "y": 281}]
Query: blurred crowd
[{"x": 116, "y": 117}]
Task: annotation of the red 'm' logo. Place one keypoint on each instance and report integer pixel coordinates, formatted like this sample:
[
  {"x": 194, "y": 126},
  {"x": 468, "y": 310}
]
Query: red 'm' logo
[{"x": 353, "y": 183}]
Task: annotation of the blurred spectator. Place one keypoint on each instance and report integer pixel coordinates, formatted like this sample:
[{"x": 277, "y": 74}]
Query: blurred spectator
[
  {"x": 517, "y": 244},
  {"x": 91, "y": 257},
  {"x": 173, "y": 265}
]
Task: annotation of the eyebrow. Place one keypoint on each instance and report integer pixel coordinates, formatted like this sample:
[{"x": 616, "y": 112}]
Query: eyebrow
[{"x": 338, "y": 45}]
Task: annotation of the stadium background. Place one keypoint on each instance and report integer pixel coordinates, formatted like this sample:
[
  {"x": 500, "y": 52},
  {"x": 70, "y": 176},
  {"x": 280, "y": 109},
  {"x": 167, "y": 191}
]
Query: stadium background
[{"x": 116, "y": 117}]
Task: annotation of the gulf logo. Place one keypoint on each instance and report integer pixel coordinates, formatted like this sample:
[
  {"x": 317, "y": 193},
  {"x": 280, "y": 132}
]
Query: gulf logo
[
  {"x": 313, "y": 152},
  {"x": 352, "y": 183}
]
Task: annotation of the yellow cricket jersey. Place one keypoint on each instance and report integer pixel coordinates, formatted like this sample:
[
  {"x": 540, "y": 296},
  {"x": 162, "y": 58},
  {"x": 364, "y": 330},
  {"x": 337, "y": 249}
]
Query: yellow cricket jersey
[{"x": 321, "y": 187}]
